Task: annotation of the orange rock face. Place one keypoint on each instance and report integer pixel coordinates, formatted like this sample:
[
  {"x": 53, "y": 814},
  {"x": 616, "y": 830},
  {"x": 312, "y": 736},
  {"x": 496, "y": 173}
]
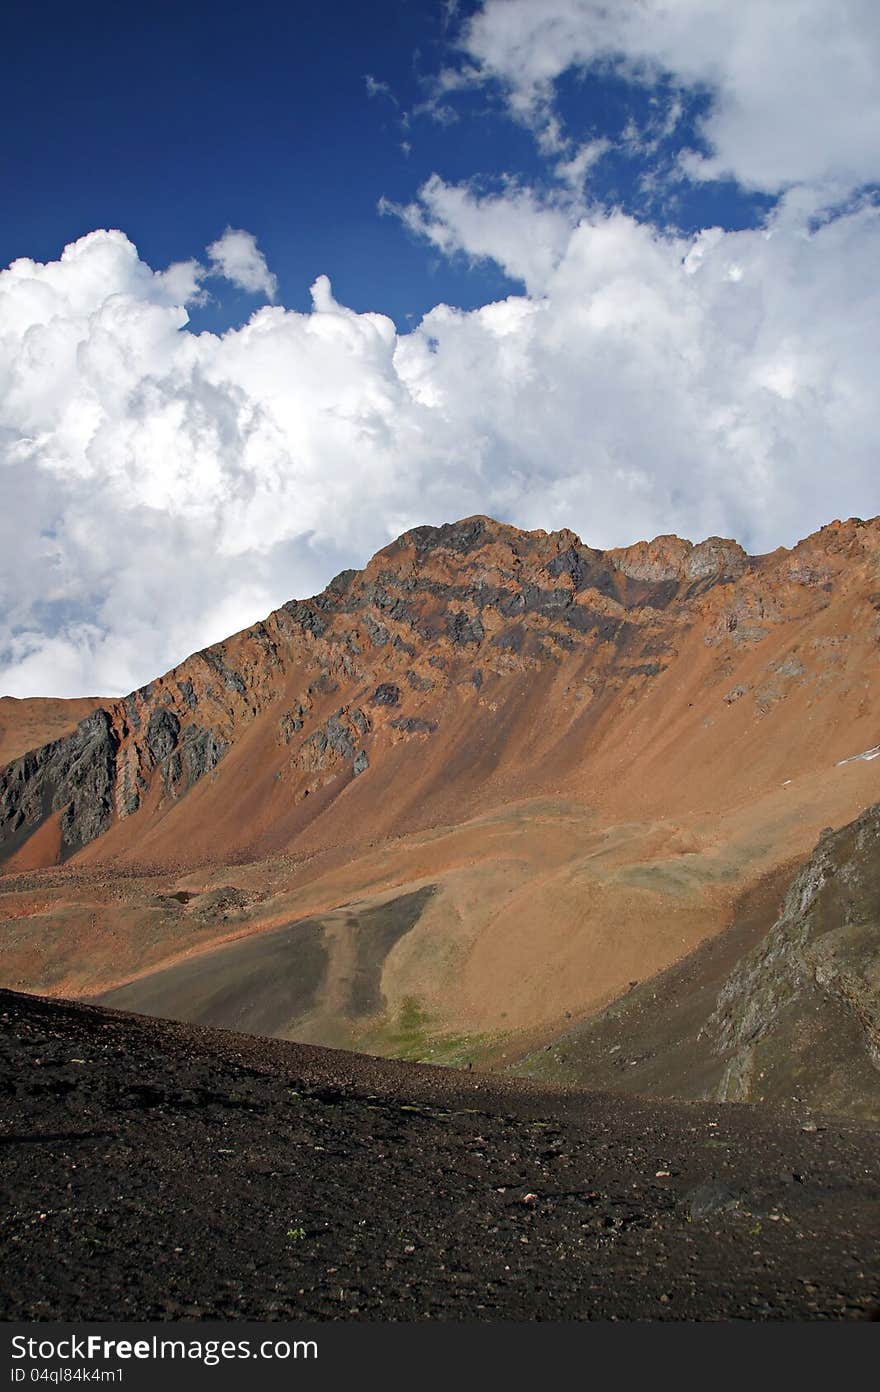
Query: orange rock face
[{"x": 589, "y": 755}]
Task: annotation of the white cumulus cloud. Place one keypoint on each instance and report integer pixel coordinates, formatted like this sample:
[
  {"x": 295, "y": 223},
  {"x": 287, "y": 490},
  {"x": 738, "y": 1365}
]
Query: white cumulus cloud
[
  {"x": 162, "y": 488},
  {"x": 524, "y": 234},
  {"x": 237, "y": 258},
  {"x": 793, "y": 83}
]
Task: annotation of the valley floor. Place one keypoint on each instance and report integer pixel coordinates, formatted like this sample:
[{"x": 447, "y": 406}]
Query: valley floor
[{"x": 161, "y": 1171}]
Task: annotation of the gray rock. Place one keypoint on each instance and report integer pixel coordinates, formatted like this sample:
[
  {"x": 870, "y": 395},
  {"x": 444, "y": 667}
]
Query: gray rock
[
  {"x": 336, "y": 591},
  {"x": 325, "y": 685},
  {"x": 710, "y": 1198},
  {"x": 412, "y": 725},
  {"x": 386, "y": 694},
  {"x": 214, "y": 659},
  {"x": 360, "y": 720},
  {"x": 419, "y": 683},
  {"x": 288, "y": 726},
  {"x": 716, "y": 558},
  {"x": 201, "y": 751},
  {"x": 800, "y": 1013},
  {"x": 172, "y": 771},
  {"x": 305, "y": 617},
  {"x": 132, "y": 712},
  {"x": 163, "y": 731},
  {"x": 338, "y": 737},
  {"x": 376, "y": 632},
  {"x": 466, "y": 629},
  {"x": 378, "y": 596},
  {"x": 74, "y": 775},
  {"x": 452, "y": 536},
  {"x": 190, "y": 699},
  {"x": 510, "y": 639},
  {"x": 130, "y": 796}
]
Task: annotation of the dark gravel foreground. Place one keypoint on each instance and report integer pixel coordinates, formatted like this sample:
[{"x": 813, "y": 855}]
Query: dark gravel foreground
[{"x": 161, "y": 1171}]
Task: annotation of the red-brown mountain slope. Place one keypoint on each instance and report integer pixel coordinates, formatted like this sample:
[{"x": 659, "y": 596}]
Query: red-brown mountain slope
[{"x": 568, "y": 763}]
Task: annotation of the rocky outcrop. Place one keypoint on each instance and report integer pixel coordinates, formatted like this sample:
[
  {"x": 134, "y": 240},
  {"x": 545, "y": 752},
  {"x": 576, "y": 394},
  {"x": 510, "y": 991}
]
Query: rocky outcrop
[
  {"x": 334, "y": 744},
  {"x": 717, "y": 560},
  {"x": 800, "y": 1014},
  {"x": 412, "y": 725},
  {"x": 782, "y": 1007},
  {"x": 386, "y": 694},
  {"x": 73, "y": 776}
]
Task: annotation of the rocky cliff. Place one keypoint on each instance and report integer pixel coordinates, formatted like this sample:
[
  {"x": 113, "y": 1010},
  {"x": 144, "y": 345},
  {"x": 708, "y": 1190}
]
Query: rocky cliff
[{"x": 800, "y": 1014}]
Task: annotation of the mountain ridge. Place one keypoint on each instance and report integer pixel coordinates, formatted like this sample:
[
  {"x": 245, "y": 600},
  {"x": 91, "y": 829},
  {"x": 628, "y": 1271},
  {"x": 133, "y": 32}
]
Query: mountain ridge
[
  {"x": 169, "y": 738},
  {"x": 586, "y": 757}
]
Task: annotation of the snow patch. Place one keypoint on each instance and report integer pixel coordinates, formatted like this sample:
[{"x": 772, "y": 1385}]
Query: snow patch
[{"x": 867, "y": 755}]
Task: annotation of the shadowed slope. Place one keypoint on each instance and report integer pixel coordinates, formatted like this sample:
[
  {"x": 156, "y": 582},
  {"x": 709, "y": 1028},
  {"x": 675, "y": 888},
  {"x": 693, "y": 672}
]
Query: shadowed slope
[{"x": 309, "y": 980}]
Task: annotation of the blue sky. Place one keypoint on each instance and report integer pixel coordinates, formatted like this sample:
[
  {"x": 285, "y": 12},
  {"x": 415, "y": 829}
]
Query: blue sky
[
  {"x": 177, "y": 120},
  {"x": 332, "y": 271}
]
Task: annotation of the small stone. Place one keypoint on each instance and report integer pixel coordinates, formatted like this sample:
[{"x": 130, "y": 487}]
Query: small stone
[{"x": 710, "y": 1198}]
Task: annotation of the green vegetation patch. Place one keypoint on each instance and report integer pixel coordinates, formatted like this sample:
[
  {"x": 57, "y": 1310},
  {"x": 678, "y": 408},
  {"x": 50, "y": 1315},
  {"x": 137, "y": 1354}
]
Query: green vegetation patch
[{"x": 412, "y": 1034}]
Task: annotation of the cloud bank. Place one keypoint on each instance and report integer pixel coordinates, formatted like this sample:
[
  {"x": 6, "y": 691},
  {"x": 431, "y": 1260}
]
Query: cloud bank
[
  {"x": 162, "y": 488},
  {"x": 795, "y": 97}
]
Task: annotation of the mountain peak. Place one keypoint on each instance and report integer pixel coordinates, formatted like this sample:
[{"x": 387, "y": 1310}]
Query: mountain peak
[{"x": 449, "y": 617}]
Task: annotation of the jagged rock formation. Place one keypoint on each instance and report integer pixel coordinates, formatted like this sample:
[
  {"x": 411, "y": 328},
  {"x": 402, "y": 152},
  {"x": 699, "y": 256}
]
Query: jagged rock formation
[
  {"x": 31, "y": 722},
  {"x": 73, "y": 777},
  {"x": 800, "y": 1014}
]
